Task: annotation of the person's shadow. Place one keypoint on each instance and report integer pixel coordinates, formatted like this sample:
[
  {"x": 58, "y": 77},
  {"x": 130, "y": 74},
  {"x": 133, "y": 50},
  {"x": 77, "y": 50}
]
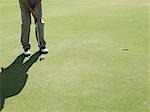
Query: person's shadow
[{"x": 14, "y": 77}]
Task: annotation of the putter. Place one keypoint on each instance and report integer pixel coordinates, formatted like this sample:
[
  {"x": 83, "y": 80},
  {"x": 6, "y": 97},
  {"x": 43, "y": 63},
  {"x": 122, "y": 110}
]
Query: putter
[{"x": 42, "y": 56}]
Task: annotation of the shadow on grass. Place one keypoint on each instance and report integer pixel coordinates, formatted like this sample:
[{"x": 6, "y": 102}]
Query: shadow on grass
[{"x": 14, "y": 77}]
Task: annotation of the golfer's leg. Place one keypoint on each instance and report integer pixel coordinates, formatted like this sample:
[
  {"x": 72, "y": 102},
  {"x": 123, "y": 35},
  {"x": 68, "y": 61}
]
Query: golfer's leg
[
  {"x": 40, "y": 30},
  {"x": 26, "y": 22}
]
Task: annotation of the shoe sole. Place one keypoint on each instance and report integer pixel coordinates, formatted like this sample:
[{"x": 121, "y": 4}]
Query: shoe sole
[
  {"x": 43, "y": 52},
  {"x": 26, "y": 55}
]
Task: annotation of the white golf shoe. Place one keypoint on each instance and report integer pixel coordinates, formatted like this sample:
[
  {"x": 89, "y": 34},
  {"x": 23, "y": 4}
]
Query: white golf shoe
[
  {"x": 27, "y": 52},
  {"x": 44, "y": 50}
]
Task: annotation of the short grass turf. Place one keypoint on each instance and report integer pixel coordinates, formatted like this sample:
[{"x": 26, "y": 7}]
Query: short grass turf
[{"x": 98, "y": 56}]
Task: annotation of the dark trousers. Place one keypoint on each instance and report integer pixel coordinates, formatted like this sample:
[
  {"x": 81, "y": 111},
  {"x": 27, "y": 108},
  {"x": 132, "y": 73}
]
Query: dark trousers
[{"x": 26, "y": 22}]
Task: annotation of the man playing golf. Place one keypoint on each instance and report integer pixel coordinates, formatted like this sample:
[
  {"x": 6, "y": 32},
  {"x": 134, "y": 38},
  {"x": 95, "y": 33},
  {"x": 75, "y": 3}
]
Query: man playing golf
[{"x": 33, "y": 7}]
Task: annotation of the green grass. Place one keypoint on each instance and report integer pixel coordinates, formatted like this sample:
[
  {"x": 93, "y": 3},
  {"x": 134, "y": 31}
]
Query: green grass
[{"x": 86, "y": 69}]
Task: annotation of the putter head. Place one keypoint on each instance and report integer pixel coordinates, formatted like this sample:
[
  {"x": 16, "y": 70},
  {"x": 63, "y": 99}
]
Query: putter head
[{"x": 42, "y": 57}]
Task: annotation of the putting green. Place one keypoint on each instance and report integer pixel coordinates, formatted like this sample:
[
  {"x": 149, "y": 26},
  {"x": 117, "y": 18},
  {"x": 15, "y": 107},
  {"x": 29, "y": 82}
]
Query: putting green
[{"x": 86, "y": 69}]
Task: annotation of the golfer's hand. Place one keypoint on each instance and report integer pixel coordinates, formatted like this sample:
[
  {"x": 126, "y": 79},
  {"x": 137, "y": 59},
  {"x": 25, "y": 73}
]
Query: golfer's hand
[{"x": 34, "y": 14}]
